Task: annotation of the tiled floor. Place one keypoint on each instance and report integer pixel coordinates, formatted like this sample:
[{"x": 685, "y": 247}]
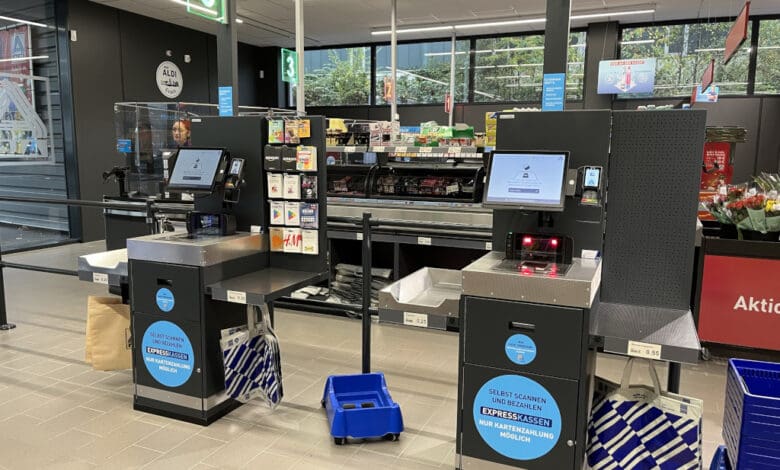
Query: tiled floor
[{"x": 55, "y": 412}]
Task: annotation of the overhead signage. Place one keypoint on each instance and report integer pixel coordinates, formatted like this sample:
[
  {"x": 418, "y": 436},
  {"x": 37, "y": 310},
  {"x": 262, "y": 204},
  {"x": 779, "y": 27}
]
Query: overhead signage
[
  {"x": 553, "y": 91},
  {"x": 626, "y": 76},
  {"x": 737, "y": 35},
  {"x": 169, "y": 79},
  {"x": 225, "y": 95},
  {"x": 211, "y": 9},
  {"x": 289, "y": 66},
  {"x": 708, "y": 76}
]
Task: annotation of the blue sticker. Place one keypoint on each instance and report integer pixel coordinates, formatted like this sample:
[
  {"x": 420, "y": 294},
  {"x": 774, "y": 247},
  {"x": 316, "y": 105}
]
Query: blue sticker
[
  {"x": 167, "y": 353},
  {"x": 517, "y": 417},
  {"x": 520, "y": 349},
  {"x": 553, "y": 91},
  {"x": 165, "y": 300},
  {"x": 225, "y": 97}
]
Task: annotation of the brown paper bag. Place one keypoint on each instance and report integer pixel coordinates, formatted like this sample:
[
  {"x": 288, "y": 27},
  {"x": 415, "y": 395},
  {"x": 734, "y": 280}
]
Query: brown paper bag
[{"x": 108, "y": 331}]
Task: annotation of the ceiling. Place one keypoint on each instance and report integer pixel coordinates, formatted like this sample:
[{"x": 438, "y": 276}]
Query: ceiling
[{"x": 331, "y": 22}]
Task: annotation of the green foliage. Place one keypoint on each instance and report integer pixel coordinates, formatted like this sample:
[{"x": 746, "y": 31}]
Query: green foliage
[
  {"x": 342, "y": 81},
  {"x": 683, "y": 52},
  {"x": 768, "y": 59}
]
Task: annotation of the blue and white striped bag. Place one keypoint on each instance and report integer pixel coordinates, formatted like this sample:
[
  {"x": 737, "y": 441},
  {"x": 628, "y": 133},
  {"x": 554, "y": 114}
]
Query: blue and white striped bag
[
  {"x": 641, "y": 428},
  {"x": 252, "y": 364}
]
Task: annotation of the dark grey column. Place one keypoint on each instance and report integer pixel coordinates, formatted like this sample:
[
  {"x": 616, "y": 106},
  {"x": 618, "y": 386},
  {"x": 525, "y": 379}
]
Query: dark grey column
[
  {"x": 556, "y": 36},
  {"x": 227, "y": 53},
  {"x": 603, "y": 41}
]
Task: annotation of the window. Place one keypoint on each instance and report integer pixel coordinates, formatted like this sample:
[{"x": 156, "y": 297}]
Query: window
[
  {"x": 424, "y": 72},
  {"x": 511, "y": 68},
  {"x": 683, "y": 52},
  {"x": 768, "y": 58},
  {"x": 336, "y": 77}
]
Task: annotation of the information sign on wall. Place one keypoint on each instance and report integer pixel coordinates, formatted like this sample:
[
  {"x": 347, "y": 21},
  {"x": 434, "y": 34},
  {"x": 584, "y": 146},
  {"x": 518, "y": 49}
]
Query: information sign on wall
[
  {"x": 289, "y": 66},
  {"x": 169, "y": 79},
  {"x": 626, "y": 76},
  {"x": 553, "y": 91}
]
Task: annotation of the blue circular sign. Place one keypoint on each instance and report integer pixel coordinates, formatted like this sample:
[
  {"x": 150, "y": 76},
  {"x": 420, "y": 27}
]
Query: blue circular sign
[
  {"x": 167, "y": 353},
  {"x": 165, "y": 300},
  {"x": 520, "y": 349},
  {"x": 517, "y": 417}
]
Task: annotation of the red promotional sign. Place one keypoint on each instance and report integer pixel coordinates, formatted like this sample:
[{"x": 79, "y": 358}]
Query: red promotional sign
[
  {"x": 717, "y": 168},
  {"x": 447, "y": 103},
  {"x": 737, "y": 34},
  {"x": 708, "y": 76},
  {"x": 740, "y": 302},
  {"x": 15, "y": 43}
]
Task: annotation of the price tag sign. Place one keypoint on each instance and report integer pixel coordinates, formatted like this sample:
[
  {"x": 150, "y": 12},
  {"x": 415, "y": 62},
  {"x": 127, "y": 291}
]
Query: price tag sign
[
  {"x": 236, "y": 297},
  {"x": 424, "y": 240},
  {"x": 350, "y": 149},
  {"x": 379, "y": 149},
  {"x": 644, "y": 350},
  {"x": 416, "y": 319},
  {"x": 400, "y": 150},
  {"x": 489, "y": 246},
  {"x": 453, "y": 150},
  {"x": 100, "y": 278},
  {"x": 426, "y": 149},
  {"x": 359, "y": 236}
]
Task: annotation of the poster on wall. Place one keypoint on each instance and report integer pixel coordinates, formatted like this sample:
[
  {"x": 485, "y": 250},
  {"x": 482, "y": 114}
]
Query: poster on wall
[
  {"x": 717, "y": 167},
  {"x": 626, "y": 76},
  {"x": 15, "y": 43},
  {"x": 710, "y": 95}
]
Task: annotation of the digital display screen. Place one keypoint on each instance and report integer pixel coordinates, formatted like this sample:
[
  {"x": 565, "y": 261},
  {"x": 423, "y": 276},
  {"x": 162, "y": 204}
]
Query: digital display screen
[
  {"x": 195, "y": 168},
  {"x": 527, "y": 180},
  {"x": 592, "y": 177}
]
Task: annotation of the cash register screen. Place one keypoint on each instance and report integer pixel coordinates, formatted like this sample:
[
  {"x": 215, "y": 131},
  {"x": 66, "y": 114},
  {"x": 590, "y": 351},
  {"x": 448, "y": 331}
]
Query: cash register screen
[
  {"x": 527, "y": 180},
  {"x": 195, "y": 169}
]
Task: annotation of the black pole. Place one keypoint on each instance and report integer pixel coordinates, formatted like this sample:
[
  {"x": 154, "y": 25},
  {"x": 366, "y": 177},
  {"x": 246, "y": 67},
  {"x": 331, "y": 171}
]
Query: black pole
[
  {"x": 366, "y": 292},
  {"x": 4, "y": 325},
  {"x": 673, "y": 377}
]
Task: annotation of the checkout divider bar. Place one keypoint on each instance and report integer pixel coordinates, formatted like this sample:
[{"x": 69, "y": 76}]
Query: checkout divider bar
[{"x": 151, "y": 208}]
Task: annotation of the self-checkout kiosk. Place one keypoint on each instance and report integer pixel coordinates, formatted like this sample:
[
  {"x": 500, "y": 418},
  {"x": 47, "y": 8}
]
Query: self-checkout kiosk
[
  {"x": 571, "y": 278},
  {"x": 187, "y": 287}
]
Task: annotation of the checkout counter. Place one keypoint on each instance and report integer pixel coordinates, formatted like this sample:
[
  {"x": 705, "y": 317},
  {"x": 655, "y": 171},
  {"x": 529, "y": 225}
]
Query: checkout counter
[
  {"x": 185, "y": 288},
  {"x": 571, "y": 279}
]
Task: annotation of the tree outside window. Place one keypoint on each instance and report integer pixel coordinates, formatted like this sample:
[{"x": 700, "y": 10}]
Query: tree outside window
[
  {"x": 423, "y": 72},
  {"x": 768, "y": 58},
  {"x": 511, "y": 68},
  {"x": 683, "y": 52},
  {"x": 336, "y": 77}
]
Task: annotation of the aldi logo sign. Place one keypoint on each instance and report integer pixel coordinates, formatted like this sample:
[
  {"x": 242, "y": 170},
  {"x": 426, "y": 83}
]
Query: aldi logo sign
[{"x": 211, "y": 9}]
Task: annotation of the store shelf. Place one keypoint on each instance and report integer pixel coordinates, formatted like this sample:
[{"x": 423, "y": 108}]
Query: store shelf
[
  {"x": 650, "y": 332},
  {"x": 262, "y": 286}
]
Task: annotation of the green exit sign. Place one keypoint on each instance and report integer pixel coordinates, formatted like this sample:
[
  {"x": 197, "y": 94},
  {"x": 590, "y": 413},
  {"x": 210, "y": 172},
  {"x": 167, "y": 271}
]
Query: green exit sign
[
  {"x": 289, "y": 66},
  {"x": 211, "y": 9}
]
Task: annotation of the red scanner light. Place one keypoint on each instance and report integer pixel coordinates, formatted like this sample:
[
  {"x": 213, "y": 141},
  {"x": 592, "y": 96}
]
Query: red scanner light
[
  {"x": 528, "y": 241},
  {"x": 554, "y": 242}
]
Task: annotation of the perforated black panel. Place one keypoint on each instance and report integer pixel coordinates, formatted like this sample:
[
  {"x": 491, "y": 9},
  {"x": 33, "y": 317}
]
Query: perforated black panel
[{"x": 654, "y": 175}]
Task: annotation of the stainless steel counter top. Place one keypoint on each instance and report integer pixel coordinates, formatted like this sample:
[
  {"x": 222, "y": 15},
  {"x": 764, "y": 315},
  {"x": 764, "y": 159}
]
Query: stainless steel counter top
[
  {"x": 577, "y": 287},
  {"x": 199, "y": 251}
]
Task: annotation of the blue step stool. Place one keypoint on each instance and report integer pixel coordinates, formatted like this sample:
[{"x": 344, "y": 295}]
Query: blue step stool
[
  {"x": 720, "y": 461},
  {"x": 360, "y": 407}
]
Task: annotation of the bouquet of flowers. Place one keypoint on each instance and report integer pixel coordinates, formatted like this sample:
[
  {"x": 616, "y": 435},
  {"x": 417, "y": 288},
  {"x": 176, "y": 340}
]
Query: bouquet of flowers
[
  {"x": 739, "y": 214},
  {"x": 755, "y": 209}
]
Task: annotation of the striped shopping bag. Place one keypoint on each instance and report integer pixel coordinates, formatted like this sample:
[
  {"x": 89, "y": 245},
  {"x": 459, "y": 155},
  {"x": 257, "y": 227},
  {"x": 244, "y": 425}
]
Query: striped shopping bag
[
  {"x": 252, "y": 364},
  {"x": 642, "y": 428}
]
